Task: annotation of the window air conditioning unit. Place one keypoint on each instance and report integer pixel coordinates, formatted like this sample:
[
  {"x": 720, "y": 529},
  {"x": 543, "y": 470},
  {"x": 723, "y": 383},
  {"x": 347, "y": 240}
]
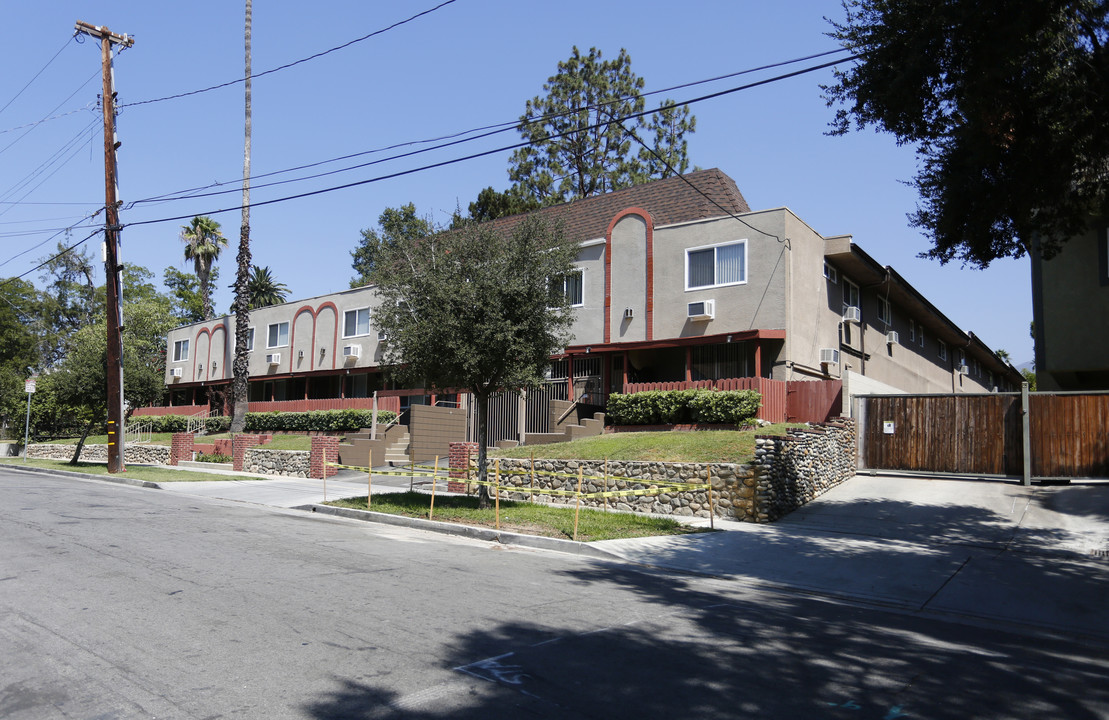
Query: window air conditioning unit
[
  {"x": 629, "y": 313},
  {"x": 352, "y": 351},
  {"x": 273, "y": 358},
  {"x": 176, "y": 372},
  {"x": 852, "y": 314},
  {"x": 829, "y": 356},
  {"x": 892, "y": 338},
  {"x": 963, "y": 370},
  {"x": 381, "y": 336},
  {"x": 702, "y": 310}
]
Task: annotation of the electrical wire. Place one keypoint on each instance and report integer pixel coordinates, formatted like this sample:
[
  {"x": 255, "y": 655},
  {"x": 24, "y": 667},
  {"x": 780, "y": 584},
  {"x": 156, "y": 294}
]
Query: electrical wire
[
  {"x": 32, "y": 126},
  {"x": 292, "y": 64},
  {"x": 473, "y": 156},
  {"x": 40, "y": 72},
  {"x": 64, "y": 251},
  {"x": 66, "y": 147},
  {"x": 455, "y": 139},
  {"x": 75, "y": 226}
]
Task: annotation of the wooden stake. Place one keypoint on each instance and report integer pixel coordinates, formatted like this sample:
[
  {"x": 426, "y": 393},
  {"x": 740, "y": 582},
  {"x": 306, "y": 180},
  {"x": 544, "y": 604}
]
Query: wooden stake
[
  {"x": 577, "y": 508},
  {"x": 369, "y": 484},
  {"x": 604, "y": 490},
  {"x": 434, "y": 479},
  {"x": 712, "y": 508},
  {"x": 531, "y": 498},
  {"x": 497, "y": 491}
]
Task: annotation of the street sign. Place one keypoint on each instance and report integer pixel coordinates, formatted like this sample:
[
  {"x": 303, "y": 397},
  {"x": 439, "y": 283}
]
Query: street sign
[{"x": 29, "y": 384}]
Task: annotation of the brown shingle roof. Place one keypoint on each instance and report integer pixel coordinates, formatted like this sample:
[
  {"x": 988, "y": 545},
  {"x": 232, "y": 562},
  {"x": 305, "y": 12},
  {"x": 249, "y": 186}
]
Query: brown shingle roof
[{"x": 668, "y": 201}]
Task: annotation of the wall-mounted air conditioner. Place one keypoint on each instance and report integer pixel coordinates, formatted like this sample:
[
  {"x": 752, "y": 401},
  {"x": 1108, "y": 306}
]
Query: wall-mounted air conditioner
[
  {"x": 381, "y": 336},
  {"x": 892, "y": 338},
  {"x": 701, "y": 310},
  {"x": 273, "y": 359},
  {"x": 176, "y": 372},
  {"x": 852, "y": 314},
  {"x": 829, "y": 356},
  {"x": 352, "y": 351},
  {"x": 629, "y": 313},
  {"x": 963, "y": 370}
]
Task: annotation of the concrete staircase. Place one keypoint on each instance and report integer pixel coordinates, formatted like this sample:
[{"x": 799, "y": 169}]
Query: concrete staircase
[
  {"x": 568, "y": 426},
  {"x": 391, "y": 447}
]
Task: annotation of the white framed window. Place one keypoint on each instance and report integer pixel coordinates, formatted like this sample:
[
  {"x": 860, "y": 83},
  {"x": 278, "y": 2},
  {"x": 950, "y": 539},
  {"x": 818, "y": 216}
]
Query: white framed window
[
  {"x": 942, "y": 350},
  {"x": 356, "y": 322},
  {"x": 884, "y": 314},
  {"x": 920, "y": 336},
  {"x": 278, "y": 335},
  {"x": 181, "y": 351},
  {"x": 912, "y": 330},
  {"x": 963, "y": 359},
  {"x": 250, "y": 339},
  {"x": 573, "y": 286},
  {"x": 716, "y": 265},
  {"x": 850, "y": 294},
  {"x": 830, "y": 273}
]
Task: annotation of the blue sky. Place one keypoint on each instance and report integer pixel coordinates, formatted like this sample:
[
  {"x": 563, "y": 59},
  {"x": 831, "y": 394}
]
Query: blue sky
[{"x": 469, "y": 64}]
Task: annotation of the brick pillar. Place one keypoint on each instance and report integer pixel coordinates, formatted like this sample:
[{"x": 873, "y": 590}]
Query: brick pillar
[
  {"x": 239, "y": 444},
  {"x": 181, "y": 447},
  {"x": 461, "y": 455},
  {"x": 325, "y": 449}
]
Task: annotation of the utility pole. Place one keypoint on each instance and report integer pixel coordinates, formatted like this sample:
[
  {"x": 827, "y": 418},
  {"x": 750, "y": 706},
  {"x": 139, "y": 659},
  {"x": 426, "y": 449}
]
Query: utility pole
[{"x": 112, "y": 265}]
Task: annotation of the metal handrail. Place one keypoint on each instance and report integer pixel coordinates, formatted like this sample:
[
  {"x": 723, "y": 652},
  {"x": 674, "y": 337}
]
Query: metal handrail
[
  {"x": 138, "y": 434},
  {"x": 197, "y": 421}
]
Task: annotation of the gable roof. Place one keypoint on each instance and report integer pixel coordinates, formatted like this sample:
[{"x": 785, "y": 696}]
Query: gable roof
[{"x": 669, "y": 201}]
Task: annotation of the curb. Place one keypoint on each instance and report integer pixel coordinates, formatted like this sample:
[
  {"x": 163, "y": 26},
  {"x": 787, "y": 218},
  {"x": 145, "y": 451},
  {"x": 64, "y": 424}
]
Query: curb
[
  {"x": 86, "y": 476},
  {"x": 468, "y": 531}
]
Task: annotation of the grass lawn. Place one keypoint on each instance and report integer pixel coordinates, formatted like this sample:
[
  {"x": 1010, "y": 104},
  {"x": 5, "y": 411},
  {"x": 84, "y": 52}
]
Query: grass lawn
[
  {"x": 696, "y": 446},
  {"x": 520, "y": 517},
  {"x": 137, "y": 472},
  {"x": 280, "y": 442}
]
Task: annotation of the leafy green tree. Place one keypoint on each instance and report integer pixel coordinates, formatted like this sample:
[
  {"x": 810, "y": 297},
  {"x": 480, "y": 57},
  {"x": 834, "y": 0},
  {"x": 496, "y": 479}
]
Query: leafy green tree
[
  {"x": 68, "y": 302},
  {"x": 81, "y": 379},
  {"x": 491, "y": 205},
  {"x": 19, "y": 349},
  {"x": 203, "y": 244},
  {"x": 264, "y": 290},
  {"x": 579, "y": 144},
  {"x": 395, "y": 226},
  {"x": 473, "y": 308},
  {"x": 669, "y": 127},
  {"x": 1006, "y": 104},
  {"x": 184, "y": 292}
]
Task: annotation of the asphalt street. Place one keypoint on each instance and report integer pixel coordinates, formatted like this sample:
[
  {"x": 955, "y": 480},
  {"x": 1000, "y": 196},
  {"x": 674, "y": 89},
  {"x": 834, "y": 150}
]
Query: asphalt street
[{"x": 124, "y": 602}]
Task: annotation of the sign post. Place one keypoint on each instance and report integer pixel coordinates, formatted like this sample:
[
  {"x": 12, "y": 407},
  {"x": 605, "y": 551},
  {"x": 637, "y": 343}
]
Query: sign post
[{"x": 29, "y": 386}]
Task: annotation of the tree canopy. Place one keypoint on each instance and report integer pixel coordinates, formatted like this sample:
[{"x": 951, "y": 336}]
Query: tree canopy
[
  {"x": 473, "y": 308},
  {"x": 580, "y": 133},
  {"x": 203, "y": 244},
  {"x": 264, "y": 289},
  {"x": 395, "y": 226},
  {"x": 1006, "y": 104}
]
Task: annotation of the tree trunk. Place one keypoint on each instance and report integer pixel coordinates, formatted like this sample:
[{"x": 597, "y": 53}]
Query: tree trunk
[
  {"x": 241, "y": 365},
  {"x": 80, "y": 443},
  {"x": 483, "y": 495}
]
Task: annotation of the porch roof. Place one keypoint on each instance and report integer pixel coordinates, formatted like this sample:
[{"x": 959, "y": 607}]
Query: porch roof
[{"x": 739, "y": 336}]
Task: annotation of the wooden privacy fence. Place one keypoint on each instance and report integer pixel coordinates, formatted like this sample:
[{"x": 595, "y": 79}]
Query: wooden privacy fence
[{"x": 1027, "y": 435}]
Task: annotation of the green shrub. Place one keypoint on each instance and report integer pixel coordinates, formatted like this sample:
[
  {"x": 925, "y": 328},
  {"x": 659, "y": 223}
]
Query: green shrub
[
  {"x": 664, "y": 407},
  {"x": 314, "y": 420},
  {"x": 213, "y": 458}
]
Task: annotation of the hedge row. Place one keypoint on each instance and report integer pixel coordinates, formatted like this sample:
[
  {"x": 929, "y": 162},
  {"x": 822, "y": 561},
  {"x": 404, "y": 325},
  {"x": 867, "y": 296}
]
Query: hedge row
[
  {"x": 319, "y": 420},
  {"x": 664, "y": 407}
]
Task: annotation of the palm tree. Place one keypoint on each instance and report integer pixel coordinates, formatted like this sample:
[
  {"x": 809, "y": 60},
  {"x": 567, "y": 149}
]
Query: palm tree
[
  {"x": 203, "y": 243},
  {"x": 240, "y": 366},
  {"x": 264, "y": 290}
]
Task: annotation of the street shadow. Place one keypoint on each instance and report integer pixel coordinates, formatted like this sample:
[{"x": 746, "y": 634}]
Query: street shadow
[{"x": 688, "y": 648}]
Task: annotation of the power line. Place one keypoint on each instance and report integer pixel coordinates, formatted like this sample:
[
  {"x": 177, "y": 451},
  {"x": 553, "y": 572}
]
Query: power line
[
  {"x": 292, "y": 64},
  {"x": 40, "y": 72},
  {"x": 75, "y": 226},
  {"x": 485, "y": 153},
  {"x": 43, "y": 264},
  {"x": 32, "y": 126},
  {"x": 454, "y": 138}
]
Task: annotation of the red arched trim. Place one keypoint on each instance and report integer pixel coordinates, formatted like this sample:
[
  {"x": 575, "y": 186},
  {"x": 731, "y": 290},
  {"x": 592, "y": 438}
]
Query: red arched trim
[
  {"x": 293, "y": 331},
  {"x": 335, "y": 335},
  {"x": 195, "y": 354},
  {"x": 650, "y": 250},
  {"x": 211, "y": 341}
]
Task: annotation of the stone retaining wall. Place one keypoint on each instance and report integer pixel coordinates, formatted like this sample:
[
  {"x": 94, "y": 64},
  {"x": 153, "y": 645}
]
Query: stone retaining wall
[
  {"x": 156, "y": 454},
  {"x": 289, "y": 463},
  {"x": 787, "y": 472}
]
